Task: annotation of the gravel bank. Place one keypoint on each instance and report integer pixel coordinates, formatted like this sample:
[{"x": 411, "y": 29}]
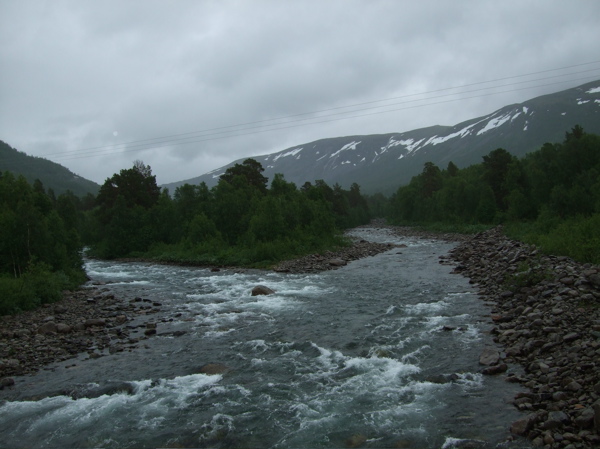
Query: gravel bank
[
  {"x": 547, "y": 319},
  {"x": 89, "y": 321}
]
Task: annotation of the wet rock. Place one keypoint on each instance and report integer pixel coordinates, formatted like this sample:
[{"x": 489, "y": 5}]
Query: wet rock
[
  {"x": 522, "y": 426},
  {"x": 262, "y": 290},
  {"x": 356, "y": 441},
  {"x": 214, "y": 368},
  {"x": 489, "y": 356},
  {"x": 6, "y": 382},
  {"x": 495, "y": 369}
]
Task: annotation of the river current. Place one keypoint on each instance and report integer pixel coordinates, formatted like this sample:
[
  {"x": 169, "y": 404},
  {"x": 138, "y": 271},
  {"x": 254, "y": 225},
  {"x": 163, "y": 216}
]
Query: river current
[{"x": 380, "y": 353}]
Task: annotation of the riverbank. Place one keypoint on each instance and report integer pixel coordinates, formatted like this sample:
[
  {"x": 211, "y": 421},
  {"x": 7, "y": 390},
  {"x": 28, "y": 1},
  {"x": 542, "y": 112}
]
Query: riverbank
[
  {"x": 91, "y": 322},
  {"x": 547, "y": 319}
]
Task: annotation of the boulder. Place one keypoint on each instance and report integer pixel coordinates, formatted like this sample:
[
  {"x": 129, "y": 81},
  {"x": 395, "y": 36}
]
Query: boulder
[
  {"x": 213, "y": 368},
  {"x": 337, "y": 262},
  {"x": 489, "y": 356},
  {"x": 48, "y": 328},
  {"x": 6, "y": 382},
  {"x": 62, "y": 328},
  {"x": 522, "y": 426},
  {"x": 495, "y": 369},
  {"x": 262, "y": 290}
]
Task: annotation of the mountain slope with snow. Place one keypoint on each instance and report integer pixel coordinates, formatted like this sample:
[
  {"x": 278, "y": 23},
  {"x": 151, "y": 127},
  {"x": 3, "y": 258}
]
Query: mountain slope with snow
[{"x": 382, "y": 162}]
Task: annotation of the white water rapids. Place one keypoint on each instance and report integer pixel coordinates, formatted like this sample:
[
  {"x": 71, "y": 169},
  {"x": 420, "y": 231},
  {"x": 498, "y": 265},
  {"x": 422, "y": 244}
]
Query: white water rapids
[{"x": 381, "y": 353}]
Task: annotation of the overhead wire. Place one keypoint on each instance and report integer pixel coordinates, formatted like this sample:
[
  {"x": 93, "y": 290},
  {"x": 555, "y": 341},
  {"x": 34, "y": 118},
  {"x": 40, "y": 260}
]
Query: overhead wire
[
  {"x": 345, "y": 112},
  {"x": 241, "y": 132}
]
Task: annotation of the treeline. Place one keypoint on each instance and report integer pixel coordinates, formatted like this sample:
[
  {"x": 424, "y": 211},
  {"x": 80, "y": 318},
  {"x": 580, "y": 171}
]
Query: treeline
[
  {"x": 551, "y": 197},
  {"x": 241, "y": 221},
  {"x": 39, "y": 244}
]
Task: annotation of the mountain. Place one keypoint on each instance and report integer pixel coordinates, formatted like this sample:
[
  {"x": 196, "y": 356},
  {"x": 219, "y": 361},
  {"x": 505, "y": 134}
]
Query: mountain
[
  {"x": 54, "y": 176},
  {"x": 383, "y": 162}
]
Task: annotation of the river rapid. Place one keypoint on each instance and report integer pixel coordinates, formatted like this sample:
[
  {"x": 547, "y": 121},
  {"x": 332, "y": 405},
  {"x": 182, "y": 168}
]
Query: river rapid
[{"x": 381, "y": 353}]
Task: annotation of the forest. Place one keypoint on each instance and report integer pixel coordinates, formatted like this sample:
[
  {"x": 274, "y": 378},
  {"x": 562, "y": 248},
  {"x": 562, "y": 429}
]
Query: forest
[{"x": 550, "y": 198}]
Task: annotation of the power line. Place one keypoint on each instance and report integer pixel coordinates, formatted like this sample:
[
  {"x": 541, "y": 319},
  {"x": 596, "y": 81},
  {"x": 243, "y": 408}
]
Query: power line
[
  {"x": 173, "y": 138},
  {"x": 147, "y": 144}
]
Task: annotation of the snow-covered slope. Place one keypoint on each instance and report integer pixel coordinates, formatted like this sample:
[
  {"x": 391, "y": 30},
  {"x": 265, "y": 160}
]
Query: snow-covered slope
[{"x": 381, "y": 163}]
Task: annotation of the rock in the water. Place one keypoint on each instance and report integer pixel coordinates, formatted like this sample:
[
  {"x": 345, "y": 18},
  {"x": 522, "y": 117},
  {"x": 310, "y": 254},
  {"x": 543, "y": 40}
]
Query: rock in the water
[
  {"x": 495, "y": 369},
  {"x": 523, "y": 425},
  {"x": 262, "y": 290},
  {"x": 489, "y": 356},
  {"x": 6, "y": 382},
  {"x": 356, "y": 441},
  {"x": 214, "y": 368}
]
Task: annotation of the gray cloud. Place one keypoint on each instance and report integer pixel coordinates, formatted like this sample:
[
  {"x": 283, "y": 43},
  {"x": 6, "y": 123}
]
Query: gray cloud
[{"x": 78, "y": 77}]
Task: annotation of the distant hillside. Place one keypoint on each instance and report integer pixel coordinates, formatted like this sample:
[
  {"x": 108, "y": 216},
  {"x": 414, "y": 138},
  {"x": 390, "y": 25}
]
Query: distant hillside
[
  {"x": 382, "y": 163},
  {"x": 52, "y": 175}
]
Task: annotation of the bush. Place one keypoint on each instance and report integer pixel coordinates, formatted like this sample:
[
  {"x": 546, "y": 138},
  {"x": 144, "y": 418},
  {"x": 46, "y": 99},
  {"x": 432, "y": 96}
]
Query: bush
[{"x": 578, "y": 238}]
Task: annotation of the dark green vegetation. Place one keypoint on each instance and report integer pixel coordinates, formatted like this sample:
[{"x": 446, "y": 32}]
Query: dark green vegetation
[
  {"x": 241, "y": 221},
  {"x": 550, "y": 198},
  {"x": 56, "y": 178},
  {"x": 39, "y": 244}
]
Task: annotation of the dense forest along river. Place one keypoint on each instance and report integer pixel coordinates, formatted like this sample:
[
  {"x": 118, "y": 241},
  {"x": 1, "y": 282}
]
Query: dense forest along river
[{"x": 381, "y": 353}]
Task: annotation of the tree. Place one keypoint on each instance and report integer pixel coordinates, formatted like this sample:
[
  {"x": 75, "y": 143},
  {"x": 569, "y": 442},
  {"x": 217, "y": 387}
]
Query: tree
[
  {"x": 251, "y": 172},
  {"x": 431, "y": 178},
  {"x": 495, "y": 168},
  {"x": 136, "y": 185}
]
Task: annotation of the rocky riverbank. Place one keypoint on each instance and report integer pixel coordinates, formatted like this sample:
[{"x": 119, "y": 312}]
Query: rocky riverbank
[
  {"x": 330, "y": 260},
  {"x": 547, "y": 319},
  {"x": 90, "y": 321}
]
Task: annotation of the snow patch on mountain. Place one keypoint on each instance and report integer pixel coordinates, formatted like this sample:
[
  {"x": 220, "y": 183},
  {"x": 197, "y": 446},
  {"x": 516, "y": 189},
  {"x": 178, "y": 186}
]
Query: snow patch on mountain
[
  {"x": 349, "y": 146},
  {"x": 593, "y": 90},
  {"x": 289, "y": 153},
  {"x": 580, "y": 101},
  {"x": 494, "y": 123}
]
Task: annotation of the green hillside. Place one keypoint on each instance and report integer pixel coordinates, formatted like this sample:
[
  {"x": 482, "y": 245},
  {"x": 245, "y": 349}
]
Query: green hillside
[{"x": 54, "y": 176}]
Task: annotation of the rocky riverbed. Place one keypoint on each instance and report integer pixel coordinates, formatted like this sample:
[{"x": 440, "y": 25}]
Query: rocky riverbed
[
  {"x": 90, "y": 321},
  {"x": 547, "y": 319}
]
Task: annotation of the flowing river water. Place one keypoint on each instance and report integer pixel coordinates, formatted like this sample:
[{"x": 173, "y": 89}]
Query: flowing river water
[{"x": 381, "y": 353}]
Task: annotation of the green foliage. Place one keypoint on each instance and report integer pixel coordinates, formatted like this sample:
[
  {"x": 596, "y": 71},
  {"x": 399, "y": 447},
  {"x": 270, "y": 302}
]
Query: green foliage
[
  {"x": 528, "y": 274},
  {"x": 39, "y": 250},
  {"x": 550, "y": 198},
  {"x": 578, "y": 238},
  {"x": 238, "y": 222}
]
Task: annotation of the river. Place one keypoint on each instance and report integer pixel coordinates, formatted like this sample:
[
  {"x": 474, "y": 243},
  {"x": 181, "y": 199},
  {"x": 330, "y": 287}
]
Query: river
[{"x": 380, "y": 353}]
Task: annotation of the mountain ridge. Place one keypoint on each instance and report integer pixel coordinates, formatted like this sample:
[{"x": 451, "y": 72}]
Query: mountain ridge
[
  {"x": 383, "y": 162},
  {"x": 52, "y": 175}
]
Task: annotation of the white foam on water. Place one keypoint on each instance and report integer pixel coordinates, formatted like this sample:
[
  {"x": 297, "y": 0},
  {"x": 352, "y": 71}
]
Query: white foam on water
[
  {"x": 423, "y": 308},
  {"x": 145, "y": 407},
  {"x": 129, "y": 283}
]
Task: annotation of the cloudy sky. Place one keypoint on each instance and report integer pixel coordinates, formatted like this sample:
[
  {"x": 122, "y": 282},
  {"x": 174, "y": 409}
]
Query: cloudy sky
[{"x": 188, "y": 86}]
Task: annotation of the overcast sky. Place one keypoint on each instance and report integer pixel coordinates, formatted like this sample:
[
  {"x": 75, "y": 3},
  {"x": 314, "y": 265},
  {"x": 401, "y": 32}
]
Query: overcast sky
[{"x": 83, "y": 82}]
